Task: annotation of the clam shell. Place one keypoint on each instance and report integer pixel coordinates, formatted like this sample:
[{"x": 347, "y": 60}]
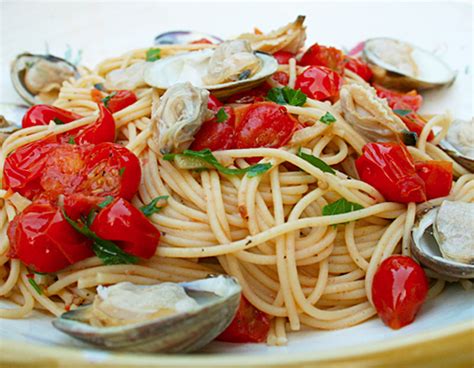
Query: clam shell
[
  {"x": 452, "y": 141},
  {"x": 183, "y": 37}
]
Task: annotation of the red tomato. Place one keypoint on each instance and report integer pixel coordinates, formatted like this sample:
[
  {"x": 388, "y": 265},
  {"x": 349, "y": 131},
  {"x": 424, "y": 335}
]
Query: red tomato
[
  {"x": 283, "y": 57},
  {"x": 389, "y": 168},
  {"x": 43, "y": 240},
  {"x": 256, "y": 94},
  {"x": 43, "y": 114},
  {"x": 248, "y": 325},
  {"x": 201, "y": 40},
  {"x": 265, "y": 124},
  {"x": 103, "y": 130},
  {"x": 127, "y": 227},
  {"x": 216, "y": 136},
  {"x": 399, "y": 290},
  {"x": 96, "y": 95},
  {"x": 77, "y": 205},
  {"x": 414, "y": 123},
  {"x": 357, "y": 66},
  {"x": 438, "y": 177},
  {"x": 398, "y": 100},
  {"x": 281, "y": 78},
  {"x": 213, "y": 103},
  {"x": 319, "y": 83},
  {"x": 120, "y": 100},
  {"x": 318, "y": 55}
]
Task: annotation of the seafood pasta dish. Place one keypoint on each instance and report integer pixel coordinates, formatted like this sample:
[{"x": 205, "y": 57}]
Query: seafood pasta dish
[{"x": 239, "y": 189}]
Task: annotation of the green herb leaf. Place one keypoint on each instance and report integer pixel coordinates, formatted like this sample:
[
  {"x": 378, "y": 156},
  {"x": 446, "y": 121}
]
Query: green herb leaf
[
  {"x": 409, "y": 138},
  {"x": 58, "y": 121},
  {"x": 106, "y": 99},
  {"x": 287, "y": 96},
  {"x": 276, "y": 95},
  {"x": 327, "y": 118},
  {"x": 402, "y": 112},
  {"x": 106, "y": 250},
  {"x": 153, "y": 54},
  {"x": 108, "y": 200},
  {"x": 207, "y": 157},
  {"x": 151, "y": 208},
  {"x": 122, "y": 170},
  {"x": 71, "y": 140},
  {"x": 35, "y": 285},
  {"x": 221, "y": 115},
  {"x": 316, "y": 162},
  {"x": 99, "y": 86},
  {"x": 339, "y": 207}
]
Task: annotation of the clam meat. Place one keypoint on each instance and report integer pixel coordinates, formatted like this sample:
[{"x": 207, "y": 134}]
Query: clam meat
[
  {"x": 166, "y": 317},
  {"x": 128, "y": 78},
  {"x": 459, "y": 142}
]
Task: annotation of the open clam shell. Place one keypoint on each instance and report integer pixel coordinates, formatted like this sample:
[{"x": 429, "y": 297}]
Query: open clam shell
[
  {"x": 400, "y": 65},
  {"x": 459, "y": 143},
  {"x": 218, "y": 299},
  {"x": 183, "y": 37}
]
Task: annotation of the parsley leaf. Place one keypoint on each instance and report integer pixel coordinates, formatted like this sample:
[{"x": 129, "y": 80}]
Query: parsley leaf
[
  {"x": 71, "y": 140},
  {"x": 221, "y": 115},
  {"x": 107, "y": 99},
  {"x": 153, "y": 54},
  {"x": 122, "y": 170},
  {"x": 316, "y": 162},
  {"x": 106, "y": 250},
  {"x": 287, "y": 96},
  {"x": 108, "y": 200},
  {"x": 151, "y": 208},
  {"x": 327, "y": 118},
  {"x": 402, "y": 112},
  {"x": 206, "y": 156},
  {"x": 58, "y": 121},
  {"x": 340, "y": 206},
  {"x": 35, "y": 285}
]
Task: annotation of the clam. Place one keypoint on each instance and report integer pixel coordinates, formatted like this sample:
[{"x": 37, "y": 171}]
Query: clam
[
  {"x": 400, "y": 65},
  {"x": 184, "y": 37},
  {"x": 38, "y": 78},
  {"x": 166, "y": 318},
  {"x": 229, "y": 68},
  {"x": 443, "y": 239},
  {"x": 10, "y": 119},
  {"x": 459, "y": 143}
]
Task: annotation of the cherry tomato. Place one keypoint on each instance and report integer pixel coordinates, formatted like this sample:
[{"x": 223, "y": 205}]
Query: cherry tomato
[
  {"x": 399, "y": 289},
  {"x": 120, "y": 99},
  {"x": 77, "y": 205},
  {"x": 214, "y": 135},
  {"x": 283, "y": 57},
  {"x": 96, "y": 95},
  {"x": 318, "y": 55},
  {"x": 127, "y": 227},
  {"x": 359, "y": 67},
  {"x": 414, "y": 123},
  {"x": 43, "y": 114},
  {"x": 248, "y": 325},
  {"x": 389, "y": 168},
  {"x": 319, "y": 83},
  {"x": 265, "y": 124},
  {"x": 256, "y": 94},
  {"x": 438, "y": 177},
  {"x": 281, "y": 78},
  {"x": 398, "y": 100},
  {"x": 103, "y": 130},
  {"x": 43, "y": 240},
  {"x": 213, "y": 103}
]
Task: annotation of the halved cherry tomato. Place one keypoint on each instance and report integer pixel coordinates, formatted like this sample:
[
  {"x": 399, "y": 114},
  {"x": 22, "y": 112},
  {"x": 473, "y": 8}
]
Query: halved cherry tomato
[
  {"x": 390, "y": 169},
  {"x": 359, "y": 67},
  {"x": 318, "y": 55},
  {"x": 438, "y": 177},
  {"x": 103, "y": 130},
  {"x": 120, "y": 99},
  {"x": 281, "y": 78},
  {"x": 265, "y": 124},
  {"x": 399, "y": 289},
  {"x": 283, "y": 57},
  {"x": 319, "y": 83},
  {"x": 43, "y": 240},
  {"x": 214, "y": 135},
  {"x": 127, "y": 227},
  {"x": 248, "y": 325},
  {"x": 256, "y": 94},
  {"x": 414, "y": 123},
  {"x": 213, "y": 103},
  {"x": 399, "y": 100},
  {"x": 43, "y": 114}
]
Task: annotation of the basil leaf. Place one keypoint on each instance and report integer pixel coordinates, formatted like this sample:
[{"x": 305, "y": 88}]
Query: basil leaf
[
  {"x": 316, "y": 162},
  {"x": 99, "y": 86},
  {"x": 151, "y": 208},
  {"x": 106, "y": 99},
  {"x": 327, "y": 118},
  {"x": 276, "y": 95},
  {"x": 71, "y": 140},
  {"x": 339, "y": 207},
  {"x": 287, "y": 96},
  {"x": 58, "y": 121},
  {"x": 206, "y": 156},
  {"x": 153, "y": 54},
  {"x": 108, "y": 200},
  {"x": 35, "y": 285},
  {"x": 221, "y": 115},
  {"x": 402, "y": 112}
]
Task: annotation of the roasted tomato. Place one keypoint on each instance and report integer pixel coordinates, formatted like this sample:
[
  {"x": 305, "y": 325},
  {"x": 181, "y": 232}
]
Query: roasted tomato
[
  {"x": 127, "y": 227},
  {"x": 248, "y": 325},
  {"x": 390, "y": 169},
  {"x": 43, "y": 114},
  {"x": 43, "y": 240},
  {"x": 103, "y": 130},
  {"x": 319, "y": 83},
  {"x": 283, "y": 57},
  {"x": 119, "y": 100},
  {"x": 359, "y": 67},
  {"x": 329, "y": 57},
  {"x": 438, "y": 177},
  {"x": 281, "y": 78},
  {"x": 213, "y": 103},
  {"x": 399, "y": 289},
  {"x": 215, "y": 134},
  {"x": 265, "y": 124},
  {"x": 414, "y": 122},
  {"x": 256, "y": 94},
  {"x": 398, "y": 100}
]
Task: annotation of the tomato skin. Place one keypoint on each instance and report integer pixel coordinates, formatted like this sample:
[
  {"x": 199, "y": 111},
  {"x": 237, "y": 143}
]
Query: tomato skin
[
  {"x": 43, "y": 240},
  {"x": 319, "y": 83},
  {"x": 281, "y": 78},
  {"x": 213, "y": 103},
  {"x": 415, "y": 123},
  {"x": 216, "y": 136},
  {"x": 248, "y": 325},
  {"x": 253, "y": 95},
  {"x": 329, "y": 57},
  {"x": 127, "y": 227},
  {"x": 398, "y": 100},
  {"x": 120, "y": 100},
  {"x": 438, "y": 177},
  {"x": 399, "y": 289},
  {"x": 103, "y": 130},
  {"x": 390, "y": 169},
  {"x": 265, "y": 124},
  {"x": 43, "y": 114},
  {"x": 283, "y": 57},
  {"x": 359, "y": 67}
]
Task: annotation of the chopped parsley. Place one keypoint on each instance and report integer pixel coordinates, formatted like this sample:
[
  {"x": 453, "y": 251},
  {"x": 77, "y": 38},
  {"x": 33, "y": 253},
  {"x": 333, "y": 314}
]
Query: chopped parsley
[
  {"x": 287, "y": 96},
  {"x": 107, "y": 99},
  {"x": 153, "y": 54},
  {"x": 108, "y": 200},
  {"x": 71, "y": 140},
  {"x": 327, "y": 118},
  {"x": 221, "y": 115},
  {"x": 58, "y": 121},
  {"x": 151, "y": 208},
  {"x": 35, "y": 285},
  {"x": 122, "y": 170}
]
